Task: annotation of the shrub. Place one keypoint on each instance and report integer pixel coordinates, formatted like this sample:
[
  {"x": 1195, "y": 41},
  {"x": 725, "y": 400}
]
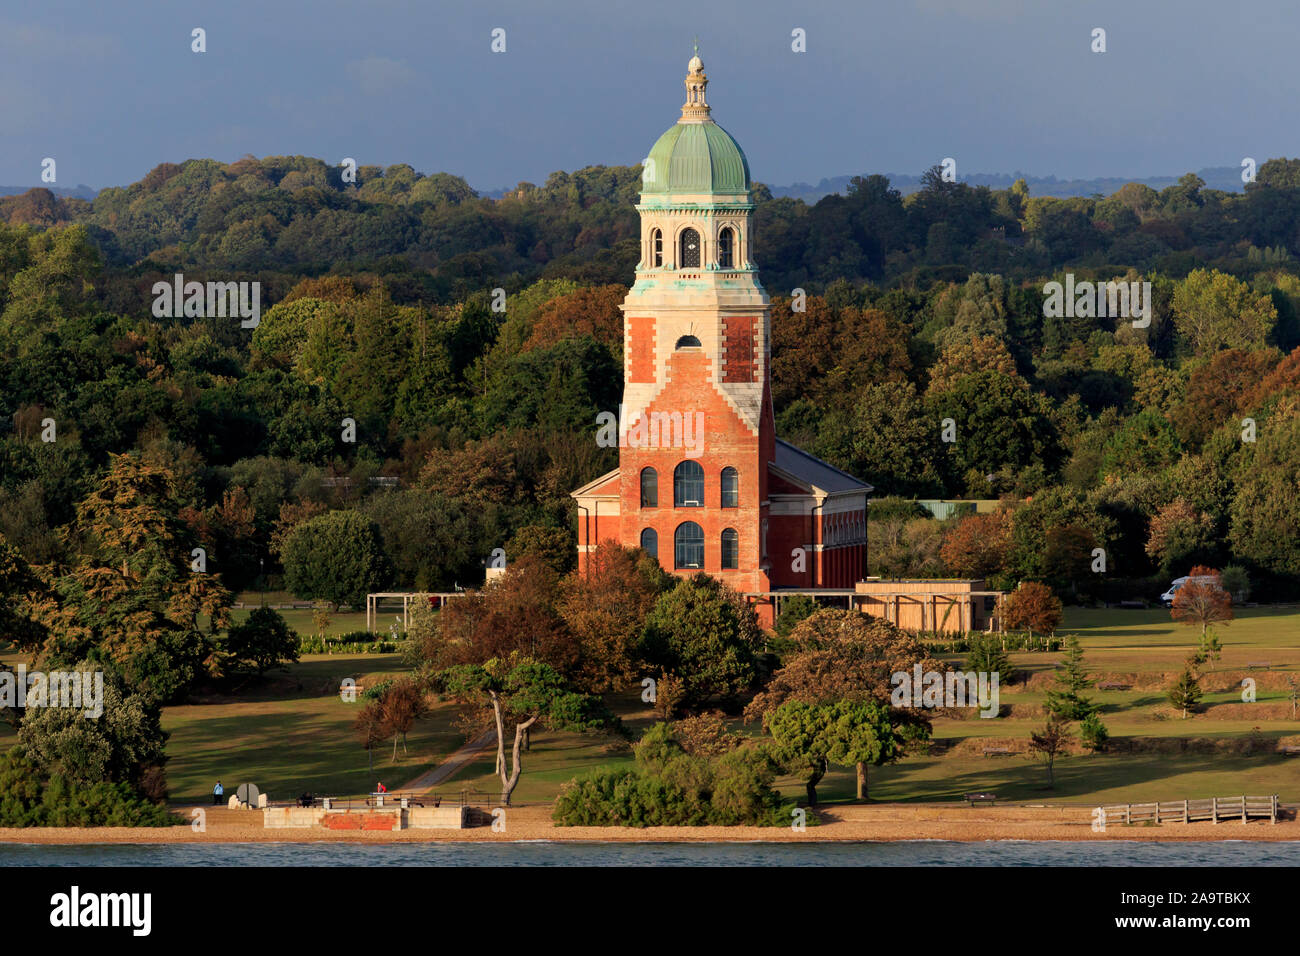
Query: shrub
[
  {"x": 26, "y": 800},
  {"x": 669, "y": 787},
  {"x": 987, "y": 655},
  {"x": 1093, "y": 733}
]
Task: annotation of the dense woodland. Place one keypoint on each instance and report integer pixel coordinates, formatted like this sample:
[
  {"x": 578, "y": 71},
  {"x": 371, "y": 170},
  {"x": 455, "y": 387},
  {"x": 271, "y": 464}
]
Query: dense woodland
[
  {"x": 128, "y": 441},
  {"x": 377, "y": 307}
]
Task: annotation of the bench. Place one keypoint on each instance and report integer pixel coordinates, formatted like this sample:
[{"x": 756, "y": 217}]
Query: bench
[
  {"x": 1111, "y": 685},
  {"x": 1290, "y": 751},
  {"x": 974, "y": 798},
  {"x": 991, "y": 751},
  {"x": 1258, "y": 665},
  {"x": 1133, "y": 604}
]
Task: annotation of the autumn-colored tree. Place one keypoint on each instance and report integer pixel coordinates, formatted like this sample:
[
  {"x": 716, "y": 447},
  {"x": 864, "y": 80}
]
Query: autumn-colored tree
[
  {"x": 515, "y": 612},
  {"x": 1034, "y": 607},
  {"x": 605, "y": 607},
  {"x": 706, "y": 735},
  {"x": 292, "y": 514},
  {"x": 976, "y": 545},
  {"x": 1221, "y": 389},
  {"x": 842, "y": 655},
  {"x": 1178, "y": 532},
  {"x": 137, "y": 593},
  {"x": 402, "y": 704},
  {"x": 1050, "y": 743},
  {"x": 480, "y": 474},
  {"x": 1202, "y": 600},
  {"x": 985, "y": 353},
  {"x": 1283, "y": 379},
  {"x": 590, "y": 311},
  {"x": 802, "y": 346}
]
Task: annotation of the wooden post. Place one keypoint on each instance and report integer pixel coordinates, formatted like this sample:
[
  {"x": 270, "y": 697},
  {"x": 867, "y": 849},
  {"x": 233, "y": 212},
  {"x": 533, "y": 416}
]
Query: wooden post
[
  {"x": 1184, "y": 811},
  {"x": 1243, "y": 808},
  {"x": 1214, "y": 809},
  {"x": 1128, "y": 813},
  {"x": 1273, "y": 810}
]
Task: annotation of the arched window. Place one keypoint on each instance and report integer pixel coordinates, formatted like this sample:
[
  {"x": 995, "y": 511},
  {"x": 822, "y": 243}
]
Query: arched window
[
  {"x": 688, "y": 256},
  {"x": 730, "y": 549},
  {"x": 657, "y": 248},
  {"x": 687, "y": 342},
  {"x": 688, "y": 546},
  {"x": 726, "y": 243},
  {"x": 649, "y": 488},
  {"x": 730, "y": 488},
  {"x": 650, "y": 542},
  {"x": 688, "y": 485}
]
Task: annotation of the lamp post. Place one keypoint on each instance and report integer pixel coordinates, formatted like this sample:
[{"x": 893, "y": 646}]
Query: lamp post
[{"x": 261, "y": 564}]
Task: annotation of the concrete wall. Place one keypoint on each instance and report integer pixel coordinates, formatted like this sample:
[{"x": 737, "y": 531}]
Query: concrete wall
[
  {"x": 388, "y": 818},
  {"x": 289, "y": 817},
  {"x": 434, "y": 818}
]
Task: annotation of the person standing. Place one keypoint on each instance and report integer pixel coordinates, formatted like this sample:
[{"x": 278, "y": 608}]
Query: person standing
[{"x": 217, "y": 792}]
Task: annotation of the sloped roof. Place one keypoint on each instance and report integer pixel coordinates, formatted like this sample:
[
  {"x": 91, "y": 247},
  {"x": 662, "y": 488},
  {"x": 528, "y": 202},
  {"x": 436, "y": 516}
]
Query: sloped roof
[
  {"x": 591, "y": 486},
  {"x": 815, "y": 473}
]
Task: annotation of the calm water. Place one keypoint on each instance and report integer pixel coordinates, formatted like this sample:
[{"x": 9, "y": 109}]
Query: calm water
[{"x": 910, "y": 853}]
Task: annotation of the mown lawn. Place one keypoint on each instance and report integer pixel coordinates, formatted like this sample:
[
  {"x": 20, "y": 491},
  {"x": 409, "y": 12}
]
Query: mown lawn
[{"x": 294, "y": 733}]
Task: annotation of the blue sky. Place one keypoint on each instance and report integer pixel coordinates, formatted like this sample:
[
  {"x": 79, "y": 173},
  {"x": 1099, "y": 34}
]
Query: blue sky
[{"x": 112, "y": 89}]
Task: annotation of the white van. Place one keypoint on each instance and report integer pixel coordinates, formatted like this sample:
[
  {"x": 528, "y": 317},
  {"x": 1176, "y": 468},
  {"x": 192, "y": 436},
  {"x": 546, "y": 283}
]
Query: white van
[{"x": 1168, "y": 597}]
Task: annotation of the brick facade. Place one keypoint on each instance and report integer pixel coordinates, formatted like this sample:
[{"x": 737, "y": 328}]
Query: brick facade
[{"x": 697, "y": 392}]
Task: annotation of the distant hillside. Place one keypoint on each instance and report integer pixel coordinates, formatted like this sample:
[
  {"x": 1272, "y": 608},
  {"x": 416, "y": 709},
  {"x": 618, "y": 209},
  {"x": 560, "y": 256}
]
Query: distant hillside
[
  {"x": 1225, "y": 178},
  {"x": 80, "y": 191}
]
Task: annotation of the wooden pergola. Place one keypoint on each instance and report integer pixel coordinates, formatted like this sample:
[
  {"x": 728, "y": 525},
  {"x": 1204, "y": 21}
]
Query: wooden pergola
[
  {"x": 893, "y": 602},
  {"x": 372, "y": 603}
]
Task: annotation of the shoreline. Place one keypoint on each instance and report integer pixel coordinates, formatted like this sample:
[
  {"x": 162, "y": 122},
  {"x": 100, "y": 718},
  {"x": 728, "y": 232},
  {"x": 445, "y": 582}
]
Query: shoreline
[{"x": 852, "y": 824}]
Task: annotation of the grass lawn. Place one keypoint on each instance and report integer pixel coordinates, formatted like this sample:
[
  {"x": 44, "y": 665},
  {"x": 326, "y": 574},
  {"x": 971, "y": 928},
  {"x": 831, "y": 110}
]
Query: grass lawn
[
  {"x": 294, "y": 733},
  {"x": 1091, "y": 779}
]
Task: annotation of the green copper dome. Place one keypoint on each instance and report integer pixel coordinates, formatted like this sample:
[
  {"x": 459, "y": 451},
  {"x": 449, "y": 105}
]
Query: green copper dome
[{"x": 696, "y": 158}]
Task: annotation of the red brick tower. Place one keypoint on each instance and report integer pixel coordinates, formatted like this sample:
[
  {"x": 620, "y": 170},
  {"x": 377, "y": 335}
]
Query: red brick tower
[{"x": 702, "y": 481}]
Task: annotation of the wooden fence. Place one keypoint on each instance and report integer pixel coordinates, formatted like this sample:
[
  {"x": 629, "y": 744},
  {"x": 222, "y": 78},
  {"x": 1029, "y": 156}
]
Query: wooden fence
[{"x": 1213, "y": 809}]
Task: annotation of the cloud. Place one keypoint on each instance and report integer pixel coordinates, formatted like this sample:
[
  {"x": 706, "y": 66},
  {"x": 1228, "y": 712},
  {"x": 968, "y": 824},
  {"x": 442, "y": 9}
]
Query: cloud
[{"x": 378, "y": 74}]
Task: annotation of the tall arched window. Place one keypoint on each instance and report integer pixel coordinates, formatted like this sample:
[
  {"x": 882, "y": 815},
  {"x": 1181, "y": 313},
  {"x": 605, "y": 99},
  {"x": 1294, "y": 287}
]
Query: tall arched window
[
  {"x": 688, "y": 546},
  {"x": 649, "y": 488},
  {"x": 688, "y": 256},
  {"x": 650, "y": 542},
  {"x": 730, "y": 488},
  {"x": 657, "y": 248},
  {"x": 730, "y": 549},
  {"x": 688, "y": 485},
  {"x": 726, "y": 245}
]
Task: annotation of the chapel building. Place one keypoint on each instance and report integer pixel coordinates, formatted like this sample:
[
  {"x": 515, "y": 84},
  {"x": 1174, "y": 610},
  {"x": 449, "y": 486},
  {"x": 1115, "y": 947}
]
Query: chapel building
[{"x": 703, "y": 483}]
